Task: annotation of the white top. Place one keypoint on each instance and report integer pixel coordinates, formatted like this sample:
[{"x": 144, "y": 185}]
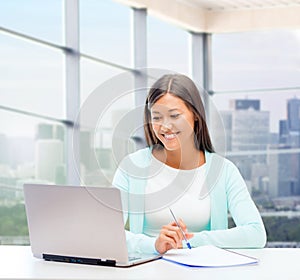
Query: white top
[{"x": 178, "y": 190}]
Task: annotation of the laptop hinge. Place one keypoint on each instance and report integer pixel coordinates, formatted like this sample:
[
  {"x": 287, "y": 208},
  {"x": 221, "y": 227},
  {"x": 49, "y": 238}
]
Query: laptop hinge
[{"x": 79, "y": 260}]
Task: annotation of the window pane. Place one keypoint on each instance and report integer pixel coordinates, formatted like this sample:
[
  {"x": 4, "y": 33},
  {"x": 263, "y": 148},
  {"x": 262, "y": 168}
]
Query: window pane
[
  {"x": 92, "y": 75},
  {"x": 41, "y": 19},
  {"x": 31, "y": 151},
  {"x": 31, "y": 77},
  {"x": 107, "y": 96},
  {"x": 167, "y": 46},
  {"x": 105, "y": 30},
  {"x": 255, "y": 60}
]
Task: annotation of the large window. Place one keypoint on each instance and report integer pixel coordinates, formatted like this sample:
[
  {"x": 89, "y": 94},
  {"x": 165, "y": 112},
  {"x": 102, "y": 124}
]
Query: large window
[
  {"x": 255, "y": 88},
  {"x": 34, "y": 129}
]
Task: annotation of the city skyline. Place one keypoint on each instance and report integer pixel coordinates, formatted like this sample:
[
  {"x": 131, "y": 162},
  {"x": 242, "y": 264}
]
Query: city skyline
[
  {"x": 27, "y": 130},
  {"x": 244, "y": 113}
]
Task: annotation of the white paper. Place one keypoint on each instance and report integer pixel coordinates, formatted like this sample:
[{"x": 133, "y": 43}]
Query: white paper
[{"x": 208, "y": 256}]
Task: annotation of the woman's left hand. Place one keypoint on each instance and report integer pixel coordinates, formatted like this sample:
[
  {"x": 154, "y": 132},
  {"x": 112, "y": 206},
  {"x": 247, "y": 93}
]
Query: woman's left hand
[{"x": 171, "y": 237}]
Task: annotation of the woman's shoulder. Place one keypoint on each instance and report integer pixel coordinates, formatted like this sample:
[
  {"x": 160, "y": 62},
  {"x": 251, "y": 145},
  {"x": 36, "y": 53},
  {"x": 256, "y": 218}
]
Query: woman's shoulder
[
  {"x": 141, "y": 153},
  {"x": 220, "y": 170},
  {"x": 140, "y": 157},
  {"x": 217, "y": 160}
]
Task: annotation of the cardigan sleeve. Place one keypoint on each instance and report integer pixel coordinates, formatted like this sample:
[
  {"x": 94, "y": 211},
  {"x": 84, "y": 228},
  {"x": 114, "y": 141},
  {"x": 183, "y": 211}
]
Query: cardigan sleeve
[
  {"x": 136, "y": 242},
  {"x": 249, "y": 231}
]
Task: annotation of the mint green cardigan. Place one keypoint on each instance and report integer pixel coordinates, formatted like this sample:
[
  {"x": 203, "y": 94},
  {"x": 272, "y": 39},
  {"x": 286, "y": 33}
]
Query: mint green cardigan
[{"x": 228, "y": 193}]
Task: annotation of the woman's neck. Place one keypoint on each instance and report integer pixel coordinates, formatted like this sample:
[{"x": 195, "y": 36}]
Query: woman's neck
[{"x": 181, "y": 159}]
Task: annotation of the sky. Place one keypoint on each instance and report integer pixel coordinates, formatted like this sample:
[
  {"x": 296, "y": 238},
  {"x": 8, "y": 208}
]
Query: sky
[{"x": 32, "y": 76}]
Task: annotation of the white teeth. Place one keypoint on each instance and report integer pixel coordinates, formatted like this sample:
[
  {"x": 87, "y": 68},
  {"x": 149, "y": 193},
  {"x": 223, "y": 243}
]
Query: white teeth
[{"x": 170, "y": 136}]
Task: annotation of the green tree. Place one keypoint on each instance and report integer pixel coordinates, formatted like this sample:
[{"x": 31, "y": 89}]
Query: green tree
[{"x": 13, "y": 220}]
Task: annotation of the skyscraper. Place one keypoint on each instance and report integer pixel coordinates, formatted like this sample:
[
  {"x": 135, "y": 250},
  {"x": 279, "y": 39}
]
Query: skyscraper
[
  {"x": 48, "y": 157},
  {"x": 249, "y": 132},
  {"x": 287, "y": 163},
  {"x": 246, "y": 104},
  {"x": 283, "y": 132},
  {"x": 49, "y": 153},
  {"x": 293, "y": 114}
]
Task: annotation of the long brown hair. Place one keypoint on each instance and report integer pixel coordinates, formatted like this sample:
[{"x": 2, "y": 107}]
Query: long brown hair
[{"x": 183, "y": 87}]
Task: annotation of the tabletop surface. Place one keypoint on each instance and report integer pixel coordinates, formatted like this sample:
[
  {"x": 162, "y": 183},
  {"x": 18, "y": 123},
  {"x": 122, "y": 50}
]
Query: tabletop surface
[{"x": 17, "y": 262}]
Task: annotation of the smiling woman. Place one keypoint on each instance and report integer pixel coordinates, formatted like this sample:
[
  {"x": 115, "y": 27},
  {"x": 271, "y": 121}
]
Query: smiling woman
[
  {"x": 180, "y": 169},
  {"x": 175, "y": 121}
]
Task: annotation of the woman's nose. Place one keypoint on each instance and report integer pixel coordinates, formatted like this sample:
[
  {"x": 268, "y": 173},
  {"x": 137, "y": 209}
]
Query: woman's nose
[{"x": 166, "y": 125}]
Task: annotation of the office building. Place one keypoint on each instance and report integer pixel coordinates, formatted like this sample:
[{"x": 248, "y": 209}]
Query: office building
[
  {"x": 250, "y": 130},
  {"x": 288, "y": 164},
  {"x": 50, "y": 131},
  {"x": 247, "y": 129},
  {"x": 245, "y": 104},
  {"x": 48, "y": 159},
  {"x": 283, "y": 132},
  {"x": 283, "y": 172},
  {"x": 293, "y": 114},
  {"x": 289, "y": 129}
]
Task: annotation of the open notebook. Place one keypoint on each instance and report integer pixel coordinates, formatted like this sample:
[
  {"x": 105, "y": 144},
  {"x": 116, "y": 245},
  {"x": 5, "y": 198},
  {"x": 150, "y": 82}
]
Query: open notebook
[{"x": 208, "y": 256}]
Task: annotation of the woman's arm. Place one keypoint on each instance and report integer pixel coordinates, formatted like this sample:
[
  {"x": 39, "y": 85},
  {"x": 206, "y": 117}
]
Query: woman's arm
[
  {"x": 249, "y": 231},
  {"x": 136, "y": 242}
]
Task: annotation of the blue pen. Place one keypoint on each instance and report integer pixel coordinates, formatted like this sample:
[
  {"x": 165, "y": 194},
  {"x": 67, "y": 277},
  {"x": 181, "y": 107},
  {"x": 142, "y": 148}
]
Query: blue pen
[{"x": 187, "y": 243}]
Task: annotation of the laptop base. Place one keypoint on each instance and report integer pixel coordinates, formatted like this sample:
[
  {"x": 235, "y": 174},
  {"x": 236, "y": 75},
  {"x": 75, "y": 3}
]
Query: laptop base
[{"x": 78, "y": 260}]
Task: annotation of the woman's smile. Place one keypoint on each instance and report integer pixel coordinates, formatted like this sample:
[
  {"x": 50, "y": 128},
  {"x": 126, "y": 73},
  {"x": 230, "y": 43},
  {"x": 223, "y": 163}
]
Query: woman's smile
[{"x": 170, "y": 136}]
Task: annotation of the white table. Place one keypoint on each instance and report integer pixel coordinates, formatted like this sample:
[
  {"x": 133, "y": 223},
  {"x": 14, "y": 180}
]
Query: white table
[{"x": 17, "y": 262}]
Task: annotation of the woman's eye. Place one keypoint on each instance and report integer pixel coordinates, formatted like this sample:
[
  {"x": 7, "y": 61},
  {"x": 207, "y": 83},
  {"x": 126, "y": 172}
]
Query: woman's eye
[
  {"x": 175, "y": 116},
  {"x": 156, "y": 118}
]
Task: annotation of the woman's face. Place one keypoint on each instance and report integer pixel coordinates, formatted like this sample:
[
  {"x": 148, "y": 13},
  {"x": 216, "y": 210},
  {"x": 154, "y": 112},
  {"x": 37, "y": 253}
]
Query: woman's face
[{"x": 172, "y": 122}]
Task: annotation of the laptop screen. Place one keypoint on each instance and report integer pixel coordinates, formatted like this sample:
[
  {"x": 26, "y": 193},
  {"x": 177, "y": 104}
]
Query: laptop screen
[{"x": 76, "y": 221}]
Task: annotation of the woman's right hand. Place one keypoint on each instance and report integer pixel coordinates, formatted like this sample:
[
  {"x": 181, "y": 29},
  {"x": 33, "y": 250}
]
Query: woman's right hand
[{"x": 170, "y": 237}]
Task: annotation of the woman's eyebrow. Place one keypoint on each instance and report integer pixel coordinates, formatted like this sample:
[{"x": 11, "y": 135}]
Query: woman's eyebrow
[{"x": 171, "y": 110}]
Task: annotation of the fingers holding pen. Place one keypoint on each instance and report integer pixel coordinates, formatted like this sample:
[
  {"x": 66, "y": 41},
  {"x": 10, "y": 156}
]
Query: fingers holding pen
[
  {"x": 183, "y": 228},
  {"x": 170, "y": 237},
  {"x": 173, "y": 232}
]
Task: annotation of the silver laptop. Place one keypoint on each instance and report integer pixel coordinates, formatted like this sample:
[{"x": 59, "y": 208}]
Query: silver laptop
[{"x": 78, "y": 225}]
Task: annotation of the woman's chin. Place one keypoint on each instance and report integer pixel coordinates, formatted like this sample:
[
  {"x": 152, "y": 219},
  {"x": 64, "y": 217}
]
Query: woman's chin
[{"x": 171, "y": 146}]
